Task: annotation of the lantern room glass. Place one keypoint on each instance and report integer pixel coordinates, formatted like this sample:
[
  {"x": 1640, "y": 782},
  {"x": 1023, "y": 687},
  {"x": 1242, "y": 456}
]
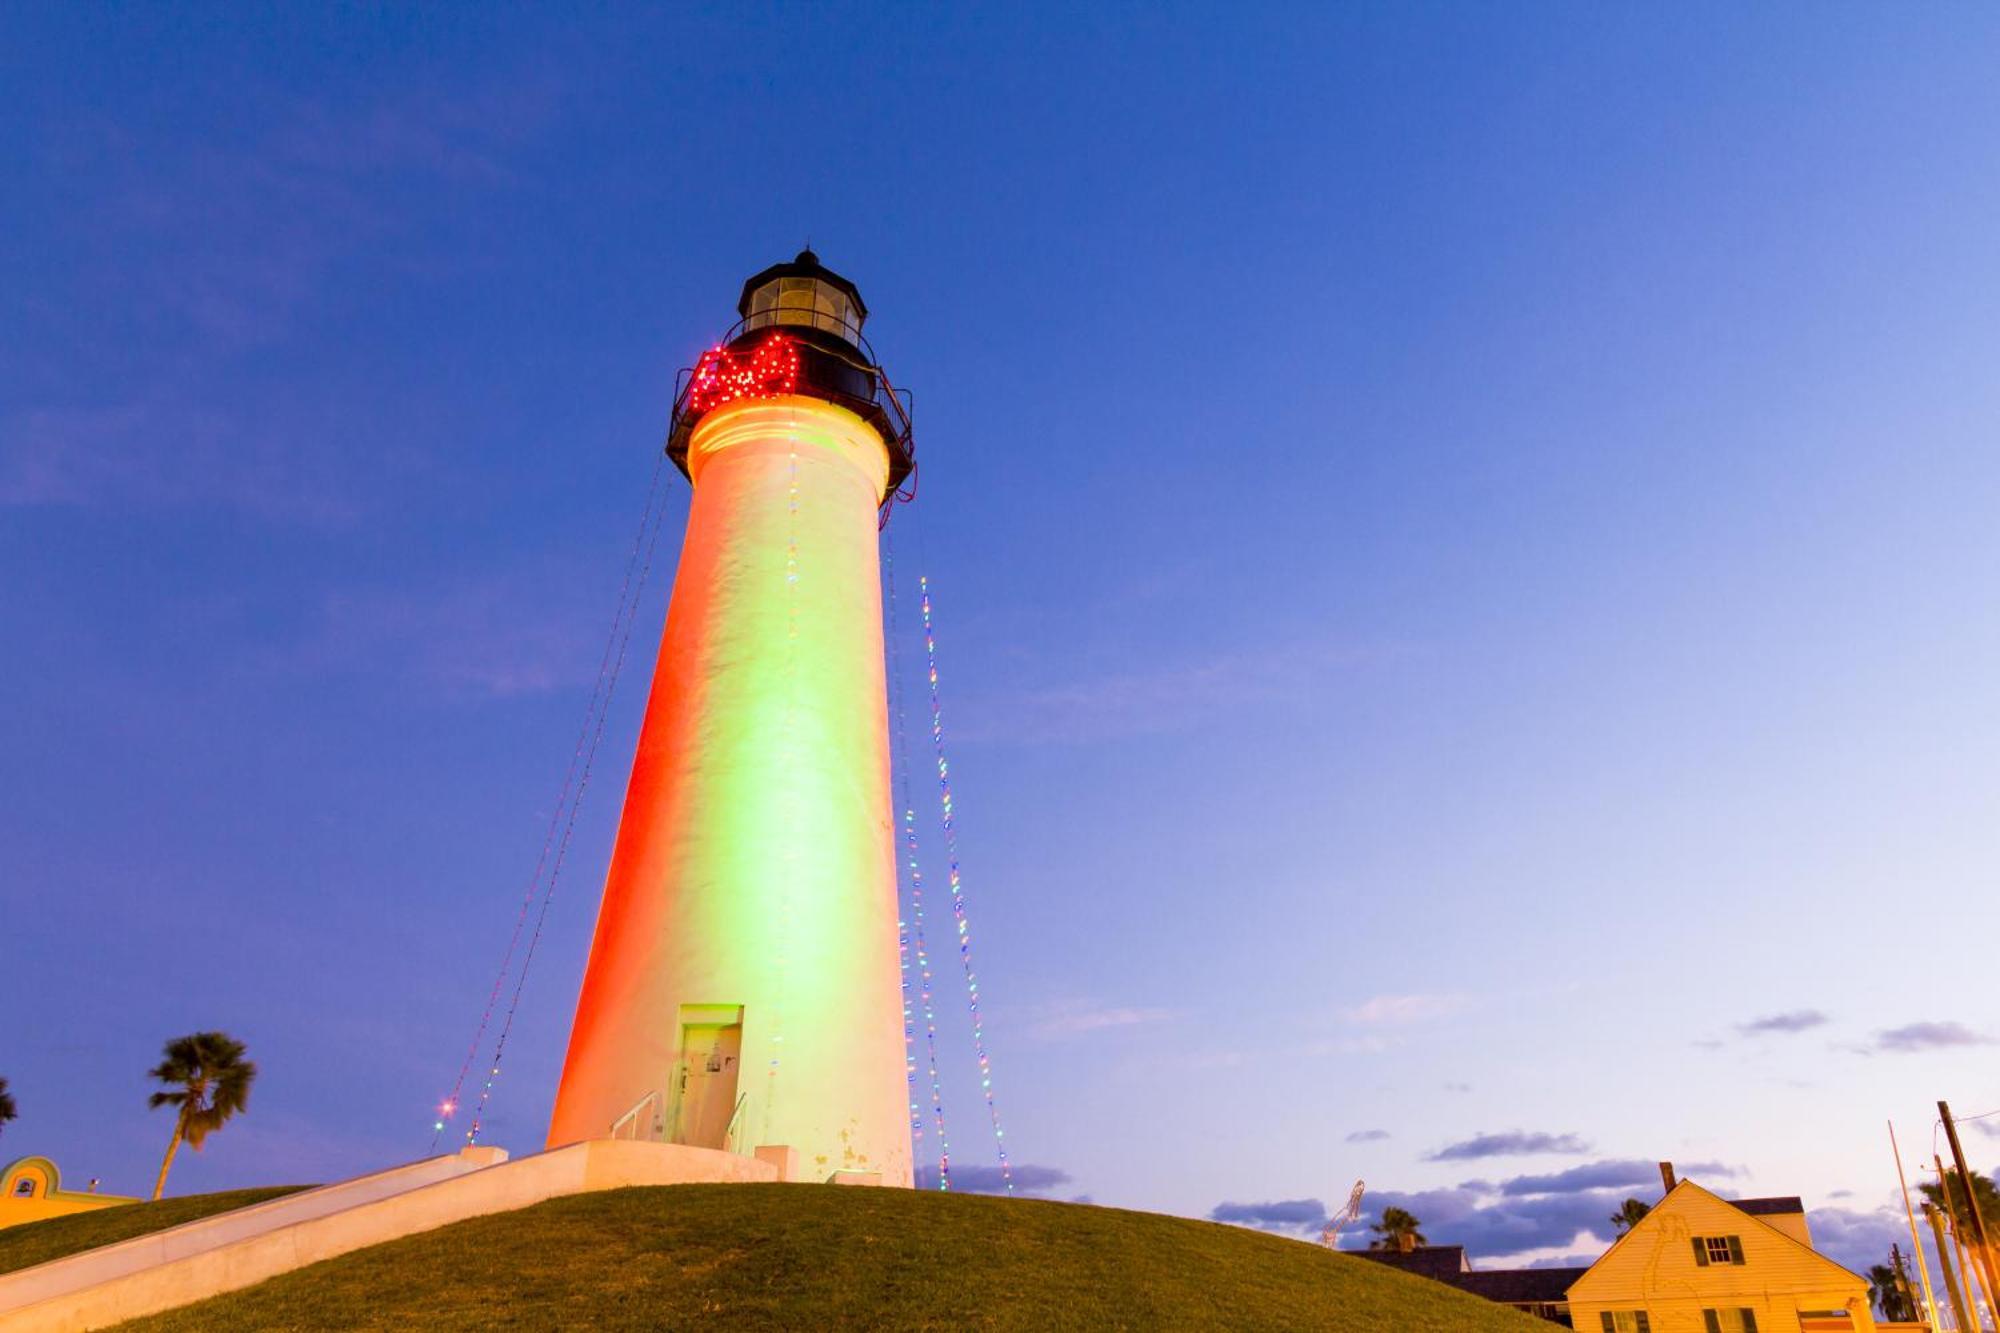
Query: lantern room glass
[{"x": 805, "y": 303}]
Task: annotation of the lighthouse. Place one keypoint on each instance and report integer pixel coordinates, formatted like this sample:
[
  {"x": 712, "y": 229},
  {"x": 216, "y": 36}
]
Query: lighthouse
[{"x": 743, "y": 987}]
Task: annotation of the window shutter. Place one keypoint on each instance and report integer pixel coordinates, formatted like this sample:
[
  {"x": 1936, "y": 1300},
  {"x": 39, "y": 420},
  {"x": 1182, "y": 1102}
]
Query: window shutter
[
  {"x": 1610, "y": 1324},
  {"x": 1712, "y": 1321},
  {"x": 1749, "y": 1320},
  {"x": 1700, "y": 1252},
  {"x": 1735, "y": 1249},
  {"x": 1645, "y": 1324}
]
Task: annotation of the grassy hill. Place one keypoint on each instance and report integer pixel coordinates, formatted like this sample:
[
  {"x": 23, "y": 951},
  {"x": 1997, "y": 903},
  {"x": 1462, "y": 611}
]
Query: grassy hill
[
  {"x": 34, "y": 1243},
  {"x": 797, "y": 1256}
]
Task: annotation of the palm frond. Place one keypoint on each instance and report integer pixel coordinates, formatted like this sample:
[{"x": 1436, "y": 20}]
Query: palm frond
[{"x": 208, "y": 1078}]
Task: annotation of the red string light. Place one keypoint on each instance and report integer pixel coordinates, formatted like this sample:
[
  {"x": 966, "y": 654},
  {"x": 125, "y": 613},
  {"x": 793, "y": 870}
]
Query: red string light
[{"x": 769, "y": 370}]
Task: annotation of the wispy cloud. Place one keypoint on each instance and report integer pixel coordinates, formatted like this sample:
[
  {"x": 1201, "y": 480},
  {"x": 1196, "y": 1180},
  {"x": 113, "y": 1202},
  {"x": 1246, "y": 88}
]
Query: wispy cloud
[
  {"x": 1169, "y": 699},
  {"x": 1368, "y": 1136},
  {"x": 1928, "y": 1037},
  {"x": 1592, "y": 1176},
  {"x": 1072, "y": 1019},
  {"x": 469, "y": 638},
  {"x": 1627, "y": 1174},
  {"x": 140, "y": 391},
  {"x": 164, "y": 451},
  {"x": 1512, "y": 1143},
  {"x": 1401, "y": 1010},
  {"x": 969, "y": 1179},
  {"x": 1285, "y": 1215},
  {"x": 1797, "y": 1020}
]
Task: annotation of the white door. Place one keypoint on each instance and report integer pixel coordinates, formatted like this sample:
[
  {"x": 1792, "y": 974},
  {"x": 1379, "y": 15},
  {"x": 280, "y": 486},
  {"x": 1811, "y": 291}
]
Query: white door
[{"x": 711, "y": 1058}]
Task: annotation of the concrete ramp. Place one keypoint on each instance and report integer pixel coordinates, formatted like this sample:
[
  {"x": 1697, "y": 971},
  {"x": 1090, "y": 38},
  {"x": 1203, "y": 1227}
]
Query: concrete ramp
[{"x": 200, "y": 1259}]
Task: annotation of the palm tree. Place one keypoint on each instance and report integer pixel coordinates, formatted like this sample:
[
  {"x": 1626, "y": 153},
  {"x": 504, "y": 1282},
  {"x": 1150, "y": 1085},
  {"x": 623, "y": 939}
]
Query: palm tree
[
  {"x": 1957, "y": 1212},
  {"x": 209, "y": 1080},
  {"x": 7, "y": 1108},
  {"x": 1628, "y": 1215},
  {"x": 1891, "y": 1292},
  {"x": 1984, "y": 1193},
  {"x": 1397, "y": 1231}
]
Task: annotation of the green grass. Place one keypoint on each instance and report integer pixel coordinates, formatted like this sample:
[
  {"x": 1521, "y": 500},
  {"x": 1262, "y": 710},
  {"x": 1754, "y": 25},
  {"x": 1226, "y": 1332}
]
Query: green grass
[
  {"x": 811, "y": 1256},
  {"x": 34, "y": 1243}
]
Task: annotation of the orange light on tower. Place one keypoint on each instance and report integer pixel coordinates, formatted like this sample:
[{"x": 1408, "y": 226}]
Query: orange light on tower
[{"x": 743, "y": 984}]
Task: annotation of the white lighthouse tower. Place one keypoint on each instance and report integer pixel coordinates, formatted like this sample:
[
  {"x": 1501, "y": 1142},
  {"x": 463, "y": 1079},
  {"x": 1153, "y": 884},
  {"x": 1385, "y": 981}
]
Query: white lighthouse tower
[{"x": 743, "y": 984}]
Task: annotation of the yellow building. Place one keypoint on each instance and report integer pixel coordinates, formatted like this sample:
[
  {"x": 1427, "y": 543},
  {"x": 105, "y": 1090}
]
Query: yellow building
[
  {"x": 1700, "y": 1264},
  {"x": 31, "y": 1189}
]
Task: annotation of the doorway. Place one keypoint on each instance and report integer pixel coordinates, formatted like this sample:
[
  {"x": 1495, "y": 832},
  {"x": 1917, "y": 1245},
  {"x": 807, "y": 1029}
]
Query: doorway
[{"x": 711, "y": 1060}]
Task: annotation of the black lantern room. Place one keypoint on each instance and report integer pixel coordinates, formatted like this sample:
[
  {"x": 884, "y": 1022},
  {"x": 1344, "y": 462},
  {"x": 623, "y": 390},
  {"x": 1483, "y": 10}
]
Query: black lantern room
[{"x": 800, "y": 333}]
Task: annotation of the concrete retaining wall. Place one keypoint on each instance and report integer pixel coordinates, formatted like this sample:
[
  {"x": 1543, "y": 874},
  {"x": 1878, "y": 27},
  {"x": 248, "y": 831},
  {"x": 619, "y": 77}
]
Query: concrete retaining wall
[{"x": 239, "y": 1249}]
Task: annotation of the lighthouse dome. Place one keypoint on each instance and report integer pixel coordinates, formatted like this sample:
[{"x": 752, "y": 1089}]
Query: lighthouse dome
[{"x": 804, "y": 294}]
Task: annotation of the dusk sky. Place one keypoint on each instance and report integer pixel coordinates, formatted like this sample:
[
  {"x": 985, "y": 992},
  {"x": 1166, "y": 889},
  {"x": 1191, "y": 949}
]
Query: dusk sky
[{"x": 1466, "y": 545}]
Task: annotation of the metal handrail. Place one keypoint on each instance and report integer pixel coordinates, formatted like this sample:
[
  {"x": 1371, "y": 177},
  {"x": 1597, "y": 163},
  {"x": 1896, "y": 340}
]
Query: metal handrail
[
  {"x": 632, "y": 1116},
  {"x": 729, "y": 1131},
  {"x": 898, "y": 404}
]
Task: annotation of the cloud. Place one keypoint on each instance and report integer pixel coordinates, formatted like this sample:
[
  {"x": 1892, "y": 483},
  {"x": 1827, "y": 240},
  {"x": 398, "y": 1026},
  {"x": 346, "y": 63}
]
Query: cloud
[
  {"x": 1368, "y": 1136},
  {"x": 1593, "y": 1175},
  {"x": 1797, "y": 1020},
  {"x": 968, "y": 1179},
  {"x": 466, "y": 637},
  {"x": 1494, "y": 1228},
  {"x": 1928, "y": 1037},
  {"x": 1990, "y": 1128},
  {"x": 163, "y": 451},
  {"x": 1368, "y": 1043},
  {"x": 1513, "y": 1143},
  {"x": 1620, "y": 1175},
  {"x": 1284, "y": 1215},
  {"x": 201, "y": 258},
  {"x": 1071, "y": 1019},
  {"x": 1856, "y": 1239},
  {"x": 1545, "y": 1228},
  {"x": 1399, "y": 1010},
  {"x": 1557, "y": 1219},
  {"x": 1175, "y": 698}
]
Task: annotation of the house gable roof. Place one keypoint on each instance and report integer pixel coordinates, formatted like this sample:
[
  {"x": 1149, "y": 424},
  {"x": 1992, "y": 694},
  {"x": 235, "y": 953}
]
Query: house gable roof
[{"x": 1685, "y": 1191}]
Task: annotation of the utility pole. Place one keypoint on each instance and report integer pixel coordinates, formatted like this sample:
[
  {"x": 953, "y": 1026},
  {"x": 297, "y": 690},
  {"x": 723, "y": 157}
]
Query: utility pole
[
  {"x": 1958, "y": 1314},
  {"x": 1923, "y": 1270},
  {"x": 1975, "y": 1277},
  {"x": 1980, "y": 1239},
  {"x": 1901, "y": 1271}
]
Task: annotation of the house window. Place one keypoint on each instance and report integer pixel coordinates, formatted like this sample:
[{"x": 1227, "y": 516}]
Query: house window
[
  {"x": 24, "y": 1188},
  {"x": 1742, "y": 1320},
  {"x": 1718, "y": 1250},
  {"x": 1625, "y": 1321}
]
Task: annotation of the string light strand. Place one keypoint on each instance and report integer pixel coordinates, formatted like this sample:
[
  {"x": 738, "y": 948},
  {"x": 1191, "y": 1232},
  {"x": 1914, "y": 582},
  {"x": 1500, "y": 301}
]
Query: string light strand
[
  {"x": 569, "y": 827},
  {"x": 628, "y": 601},
  {"x": 915, "y": 932},
  {"x": 957, "y": 884},
  {"x": 768, "y": 370}
]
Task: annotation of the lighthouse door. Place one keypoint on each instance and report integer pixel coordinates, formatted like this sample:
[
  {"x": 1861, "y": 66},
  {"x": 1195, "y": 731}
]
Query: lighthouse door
[{"x": 711, "y": 1059}]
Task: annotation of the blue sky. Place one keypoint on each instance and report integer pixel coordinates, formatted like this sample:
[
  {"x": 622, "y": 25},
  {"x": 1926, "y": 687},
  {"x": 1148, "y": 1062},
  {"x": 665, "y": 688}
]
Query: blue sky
[{"x": 1463, "y": 541}]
